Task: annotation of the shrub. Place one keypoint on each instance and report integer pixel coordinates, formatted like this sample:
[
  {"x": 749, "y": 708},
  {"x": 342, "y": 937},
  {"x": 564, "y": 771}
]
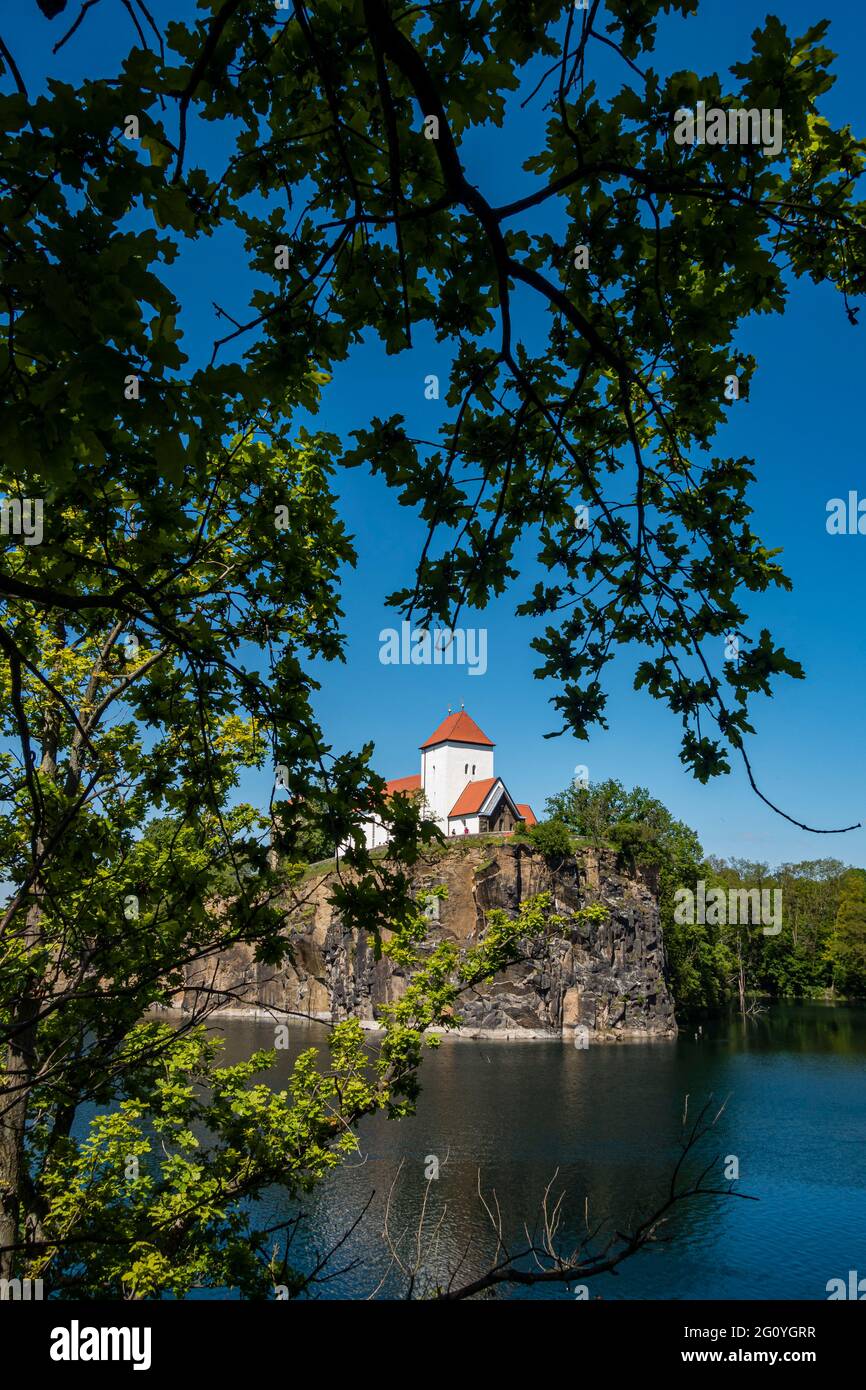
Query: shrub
[
  {"x": 631, "y": 838},
  {"x": 552, "y": 838}
]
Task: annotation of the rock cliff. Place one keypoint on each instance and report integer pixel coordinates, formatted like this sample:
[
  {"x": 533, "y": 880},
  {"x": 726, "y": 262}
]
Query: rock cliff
[{"x": 608, "y": 979}]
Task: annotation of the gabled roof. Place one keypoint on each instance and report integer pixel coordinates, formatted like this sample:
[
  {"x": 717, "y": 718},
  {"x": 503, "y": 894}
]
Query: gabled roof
[
  {"x": 473, "y": 797},
  {"x": 458, "y": 728},
  {"x": 403, "y": 784},
  {"x": 527, "y": 813}
]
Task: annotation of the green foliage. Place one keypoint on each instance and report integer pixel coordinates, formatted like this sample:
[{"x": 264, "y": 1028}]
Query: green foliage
[
  {"x": 645, "y": 832},
  {"x": 161, "y": 1193},
  {"x": 163, "y": 639},
  {"x": 815, "y": 951},
  {"x": 589, "y": 811},
  {"x": 632, "y": 839},
  {"x": 847, "y": 948},
  {"x": 552, "y": 838},
  {"x": 796, "y": 962},
  {"x": 396, "y": 239}
]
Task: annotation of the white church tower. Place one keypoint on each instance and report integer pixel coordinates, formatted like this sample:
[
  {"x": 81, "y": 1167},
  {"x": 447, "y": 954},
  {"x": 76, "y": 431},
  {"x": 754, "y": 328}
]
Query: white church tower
[
  {"x": 456, "y": 753},
  {"x": 457, "y": 785}
]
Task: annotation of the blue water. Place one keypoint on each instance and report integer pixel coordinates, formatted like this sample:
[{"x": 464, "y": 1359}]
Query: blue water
[{"x": 607, "y": 1122}]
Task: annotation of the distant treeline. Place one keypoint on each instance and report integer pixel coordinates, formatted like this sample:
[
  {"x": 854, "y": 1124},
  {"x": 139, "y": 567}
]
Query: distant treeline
[{"x": 820, "y": 950}]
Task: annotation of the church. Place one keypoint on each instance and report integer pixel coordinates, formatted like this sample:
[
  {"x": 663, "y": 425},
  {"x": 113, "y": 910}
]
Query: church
[{"x": 459, "y": 787}]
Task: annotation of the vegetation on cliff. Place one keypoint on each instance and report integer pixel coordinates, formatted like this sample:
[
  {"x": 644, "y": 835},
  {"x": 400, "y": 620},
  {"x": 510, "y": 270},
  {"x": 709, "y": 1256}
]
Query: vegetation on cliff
[
  {"x": 161, "y": 1194},
  {"x": 820, "y": 949}
]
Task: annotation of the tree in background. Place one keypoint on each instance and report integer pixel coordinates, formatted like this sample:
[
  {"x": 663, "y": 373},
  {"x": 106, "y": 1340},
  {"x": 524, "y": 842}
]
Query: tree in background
[
  {"x": 589, "y": 811},
  {"x": 847, "y": 950},
  {"x": 643, "y": 829},
  {"x": 795, "y": 963},
  {"x": 552, "y": 839},
  {"x": 641, "y": 255},
  {"x": 711, "y": 963},
  {"x": 741, "y": 938},
  {"x": 126, "y": 723}
]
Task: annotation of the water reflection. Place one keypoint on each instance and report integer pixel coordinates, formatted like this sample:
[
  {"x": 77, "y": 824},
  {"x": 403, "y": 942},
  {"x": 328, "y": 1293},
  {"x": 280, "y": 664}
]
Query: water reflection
[{"x": 607, "y": 1122}]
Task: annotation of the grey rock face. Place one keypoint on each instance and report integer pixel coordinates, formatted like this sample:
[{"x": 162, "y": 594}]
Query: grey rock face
[{"x": 604, "y": 982}]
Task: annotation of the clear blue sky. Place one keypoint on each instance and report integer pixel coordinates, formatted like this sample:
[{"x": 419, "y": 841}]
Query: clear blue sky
[{"x": 802, "y": 425}]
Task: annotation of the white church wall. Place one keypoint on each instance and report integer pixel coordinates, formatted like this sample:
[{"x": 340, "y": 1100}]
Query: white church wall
[
  {"x": 445, "y": 770},
  {"x": 464, "y": 825}
]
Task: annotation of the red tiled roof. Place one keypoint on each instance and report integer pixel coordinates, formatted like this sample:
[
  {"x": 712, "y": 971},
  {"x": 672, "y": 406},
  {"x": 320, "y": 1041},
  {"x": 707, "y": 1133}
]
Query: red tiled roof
[
  {"x": 403, "y": 784},
  {"x": 527, "y": 813},
  {"x": 472, "y": 797},
  {"x": 458, "y": 728}
]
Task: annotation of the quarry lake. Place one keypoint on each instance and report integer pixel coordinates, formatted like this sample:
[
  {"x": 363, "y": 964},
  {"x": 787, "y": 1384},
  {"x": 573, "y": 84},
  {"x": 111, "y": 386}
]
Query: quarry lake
[{"x": 608, "y": 1118}]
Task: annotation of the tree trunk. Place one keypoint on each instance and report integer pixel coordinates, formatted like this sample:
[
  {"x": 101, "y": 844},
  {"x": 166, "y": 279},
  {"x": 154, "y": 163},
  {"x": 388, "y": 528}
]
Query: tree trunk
[
  {"x": 741, "y": 975},
  {"x": 14, "y": 1105}
]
